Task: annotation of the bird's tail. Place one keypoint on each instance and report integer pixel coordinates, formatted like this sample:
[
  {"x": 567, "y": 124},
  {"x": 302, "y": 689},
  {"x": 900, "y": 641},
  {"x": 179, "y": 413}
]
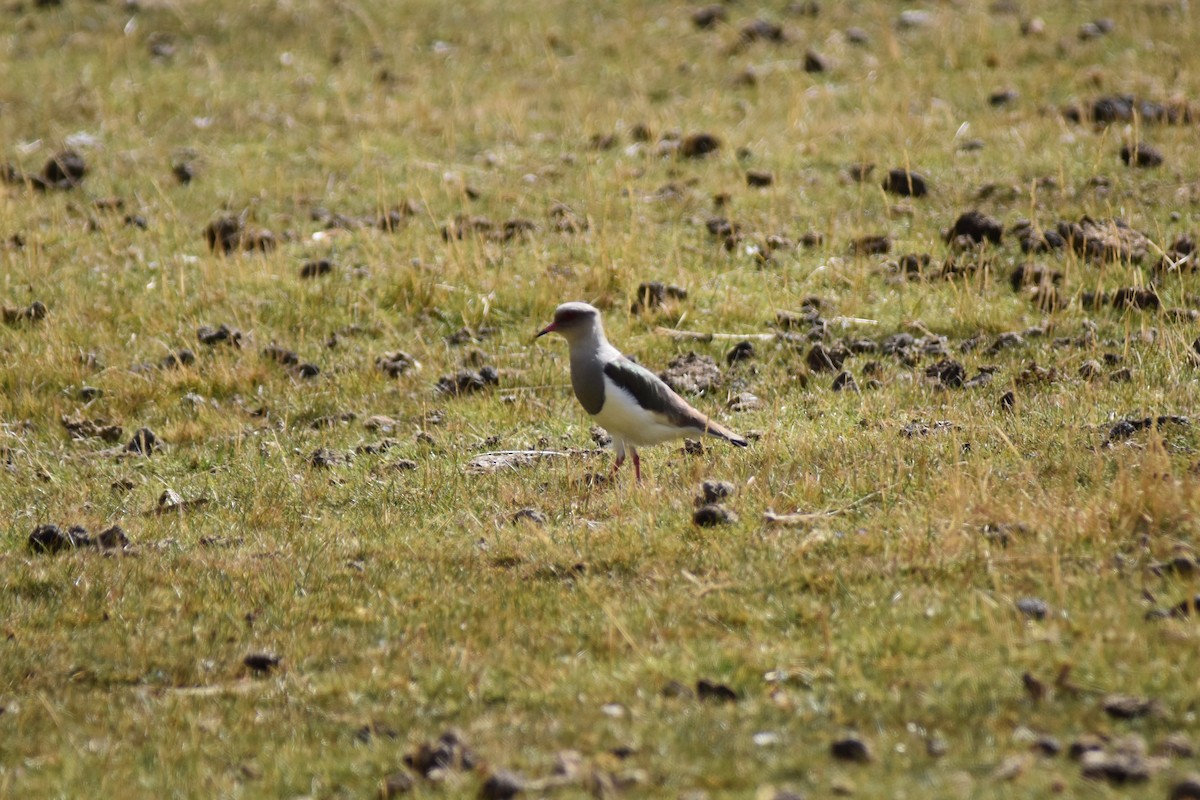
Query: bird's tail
[{"x": 721, "y": 432}]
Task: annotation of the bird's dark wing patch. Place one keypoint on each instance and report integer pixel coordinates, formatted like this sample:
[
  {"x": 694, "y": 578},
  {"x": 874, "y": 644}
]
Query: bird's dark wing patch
[{"x": 651, "y": 393}]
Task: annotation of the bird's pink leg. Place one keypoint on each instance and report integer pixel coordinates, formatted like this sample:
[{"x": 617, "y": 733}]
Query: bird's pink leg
[
  {"x": 620, "y": 460},
  {"x": 637, "y": 464}
]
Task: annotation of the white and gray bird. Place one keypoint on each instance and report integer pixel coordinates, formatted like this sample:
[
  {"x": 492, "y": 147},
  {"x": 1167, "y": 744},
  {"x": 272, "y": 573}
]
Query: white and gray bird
[{"x": 626, "y": 399}]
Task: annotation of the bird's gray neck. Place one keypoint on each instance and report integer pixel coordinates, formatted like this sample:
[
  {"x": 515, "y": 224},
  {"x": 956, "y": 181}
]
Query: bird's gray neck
[{"x": 589, "y": 353}]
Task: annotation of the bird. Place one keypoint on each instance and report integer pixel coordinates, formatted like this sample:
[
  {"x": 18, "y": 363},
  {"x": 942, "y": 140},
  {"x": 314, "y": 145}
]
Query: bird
[{"x": 629, "y": 401}]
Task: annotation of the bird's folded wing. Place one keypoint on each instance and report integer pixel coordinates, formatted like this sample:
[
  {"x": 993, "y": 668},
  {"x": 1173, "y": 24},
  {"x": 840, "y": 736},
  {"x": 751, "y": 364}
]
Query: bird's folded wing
[{"x": 654, "y": 395}]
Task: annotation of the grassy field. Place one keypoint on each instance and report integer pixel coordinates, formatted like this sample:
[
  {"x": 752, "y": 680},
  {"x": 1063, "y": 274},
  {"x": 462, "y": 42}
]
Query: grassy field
[{"x": 321, "y": 578}]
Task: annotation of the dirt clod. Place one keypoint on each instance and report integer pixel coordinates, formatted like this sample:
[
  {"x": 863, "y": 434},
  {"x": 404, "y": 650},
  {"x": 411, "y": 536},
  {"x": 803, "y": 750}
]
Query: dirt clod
[
  {"x": 144, "y": 442},
  {"x": 396, "y": 784},
  {"x": 222, "y": 334},
  {"x": 850, "y": 748},
  {"x": 759, "y": 179},
  {"x": 976, "y": 226},
  {"x": 468, "y": 381},
  {"x": 396, "y": 363},
  {"x": 713, "y": 491},
  {"x": 655, "y": 294},
  {"x": 742, "y": 351},
  {"x": 711, "y": 515},
  {"x": 844, "y": 382},
  {"x": 715, "y": 692},
  {"x": 314, "y": 269},
  {"x": 1122, "y": 706},
  {"x": 905, "y": 183},
  {"x": 1187, "y": 788},
  {"x": 1142, "y": 155},
  {"x": 825, "y": 359},
  {"x": 262, "y": 664},
  {"x": 447, "y": 752},
  {"x": 501, "y": 785},
  {"x": 692, "y": 373},
  {"x": 50, "y": 538},
  {"x": 698, "y": 145}
]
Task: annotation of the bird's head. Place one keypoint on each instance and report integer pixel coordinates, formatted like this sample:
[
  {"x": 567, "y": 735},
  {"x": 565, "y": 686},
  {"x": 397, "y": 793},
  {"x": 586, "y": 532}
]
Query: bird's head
[{"x": 572, "y": 321}]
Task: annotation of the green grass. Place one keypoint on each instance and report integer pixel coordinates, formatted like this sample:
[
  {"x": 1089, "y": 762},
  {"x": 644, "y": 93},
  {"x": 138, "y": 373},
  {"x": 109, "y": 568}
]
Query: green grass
[{"x": 409, "y": 600}]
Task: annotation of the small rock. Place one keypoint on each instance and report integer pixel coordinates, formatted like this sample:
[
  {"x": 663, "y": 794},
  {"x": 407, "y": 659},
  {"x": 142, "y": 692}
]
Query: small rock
[
  {"x": 501, "y": 785},
  {"x": 850, "y": 748},
  {"x": 712, "y": 691},
  {"x": 1090, "y": 369},
  {"x": 713, "y": 514},
  {"x": 905, "y": 183},
  {"x": 1033, "y": 607}
]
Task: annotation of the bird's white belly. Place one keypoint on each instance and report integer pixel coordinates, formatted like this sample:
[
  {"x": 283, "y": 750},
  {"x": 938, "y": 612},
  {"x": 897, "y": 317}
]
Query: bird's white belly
[{"x": 627, "y": 421}]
